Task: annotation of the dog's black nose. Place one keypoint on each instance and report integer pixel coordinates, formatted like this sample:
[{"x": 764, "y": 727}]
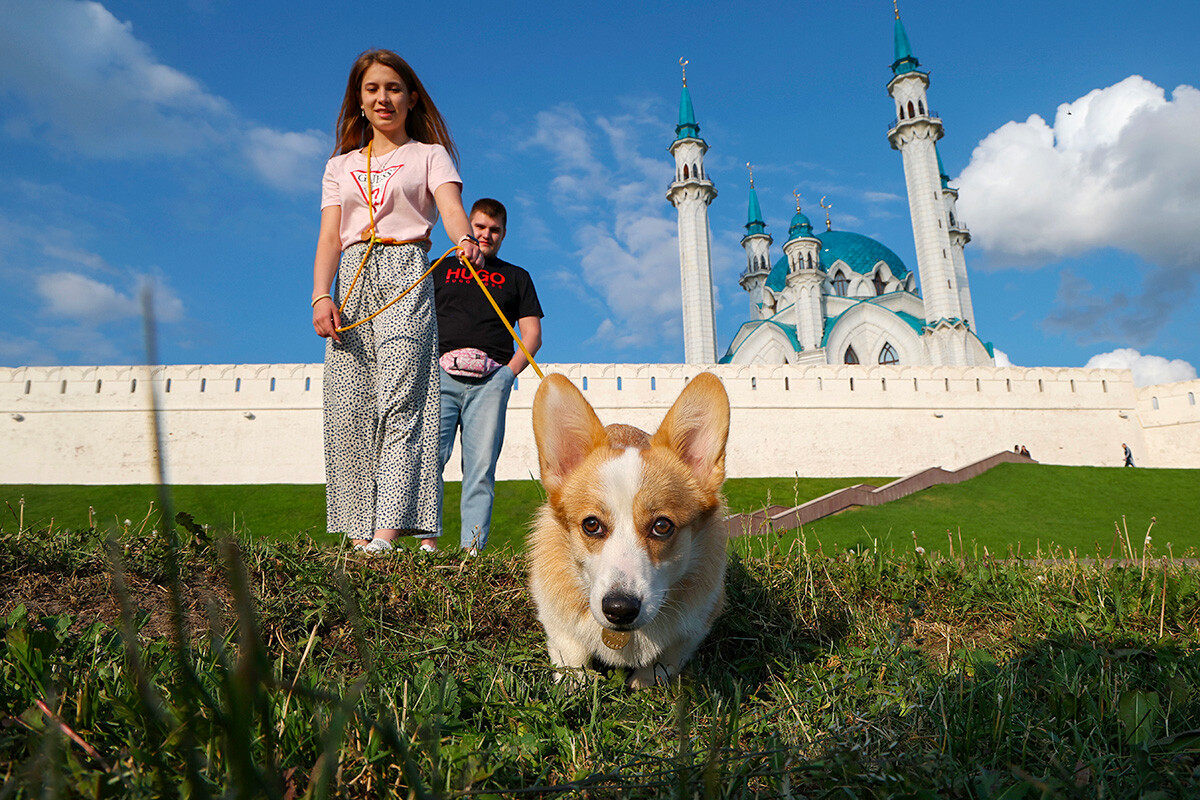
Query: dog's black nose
[{"x": 621, "y": 609}]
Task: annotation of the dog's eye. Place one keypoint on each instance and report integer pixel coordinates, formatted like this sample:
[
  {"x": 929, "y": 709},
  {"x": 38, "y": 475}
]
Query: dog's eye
[
  {"x": 592, "y": 526},
  {"x": 662, "y": 528}
]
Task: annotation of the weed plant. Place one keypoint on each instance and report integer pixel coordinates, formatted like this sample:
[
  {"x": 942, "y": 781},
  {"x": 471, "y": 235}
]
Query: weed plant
[{"x": 170, "y": 663}]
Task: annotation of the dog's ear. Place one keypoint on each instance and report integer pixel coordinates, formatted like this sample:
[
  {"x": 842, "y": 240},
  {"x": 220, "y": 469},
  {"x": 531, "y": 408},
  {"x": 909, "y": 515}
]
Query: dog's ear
[
  {"x": 566, "y": 429},
  {"x": 697, "y": 428}
]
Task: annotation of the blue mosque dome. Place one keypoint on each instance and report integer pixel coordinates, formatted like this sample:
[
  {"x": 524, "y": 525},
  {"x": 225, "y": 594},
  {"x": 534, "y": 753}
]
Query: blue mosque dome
[{"x": 860, "y": 253}]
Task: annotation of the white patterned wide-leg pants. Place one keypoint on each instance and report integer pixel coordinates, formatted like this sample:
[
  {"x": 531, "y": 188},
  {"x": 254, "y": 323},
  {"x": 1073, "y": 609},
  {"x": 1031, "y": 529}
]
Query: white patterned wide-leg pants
[{"x": 381, "y": 399}]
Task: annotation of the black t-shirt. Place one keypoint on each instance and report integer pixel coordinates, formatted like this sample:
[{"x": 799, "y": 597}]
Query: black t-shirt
[{"x": 467, "y": 319}]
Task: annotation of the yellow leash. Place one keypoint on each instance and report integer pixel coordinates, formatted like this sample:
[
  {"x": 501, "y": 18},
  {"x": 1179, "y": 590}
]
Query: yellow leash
[{"x": 371, "y": 246}]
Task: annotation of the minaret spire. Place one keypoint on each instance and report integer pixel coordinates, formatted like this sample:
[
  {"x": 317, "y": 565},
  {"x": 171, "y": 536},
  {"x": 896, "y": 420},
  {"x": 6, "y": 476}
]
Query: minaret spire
[
  {"x": 757, "y": 244},
  {"x": 754, "y": 220},
  {"x": 690, "y": 193}
]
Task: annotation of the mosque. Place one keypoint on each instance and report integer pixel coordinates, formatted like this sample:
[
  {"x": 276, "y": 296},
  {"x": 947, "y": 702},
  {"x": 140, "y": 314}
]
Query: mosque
[{"x": 837, "y": 297}]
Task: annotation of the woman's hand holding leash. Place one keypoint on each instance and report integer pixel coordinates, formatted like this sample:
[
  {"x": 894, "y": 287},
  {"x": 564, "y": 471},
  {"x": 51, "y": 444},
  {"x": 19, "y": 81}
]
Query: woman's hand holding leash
[
  {"x": 326, "y": 319},
  {"x": 470, "y": 251}
]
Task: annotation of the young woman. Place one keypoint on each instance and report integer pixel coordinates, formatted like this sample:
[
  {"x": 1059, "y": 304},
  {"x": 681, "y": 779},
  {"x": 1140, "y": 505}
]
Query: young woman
[{"x": 393, "y": 172}]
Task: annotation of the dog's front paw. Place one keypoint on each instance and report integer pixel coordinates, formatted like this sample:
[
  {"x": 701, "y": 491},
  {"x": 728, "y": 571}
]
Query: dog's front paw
[
  {"x": 652, "y": 675},
  {"x": 571, "y": 678}
]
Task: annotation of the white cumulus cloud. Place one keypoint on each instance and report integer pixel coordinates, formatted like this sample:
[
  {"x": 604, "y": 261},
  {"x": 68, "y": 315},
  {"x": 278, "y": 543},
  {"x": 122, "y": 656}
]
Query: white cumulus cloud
[
  {"x": 1002, "y": 359},
  {"x": 64, "y": 57},
  {"x": 1147, "y": 370},
  {"x": 93, "y": 303},
  {"x": 287, "y": 160},
  {"x": 72, "y": 72},
  {"x": 1120, "y": 169}
]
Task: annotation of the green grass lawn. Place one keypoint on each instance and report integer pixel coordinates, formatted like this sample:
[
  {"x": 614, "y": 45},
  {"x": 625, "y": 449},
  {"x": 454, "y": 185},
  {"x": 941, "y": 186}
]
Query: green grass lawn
[
  {"x": 1030, "y": 505},
  {"x": 284, "y": 510},
  {"x": 1033, "y": 505}
]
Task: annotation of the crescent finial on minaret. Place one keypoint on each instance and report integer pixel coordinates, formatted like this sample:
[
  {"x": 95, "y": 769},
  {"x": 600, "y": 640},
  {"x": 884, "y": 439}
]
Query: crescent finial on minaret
[
  {"x": 896, "y": 6},
  {"x": 828, "y": 225},
  {"x": 683, "y": 62},
  {"x": 796, "y": 194},
  {"x": 751, "y": 168}
]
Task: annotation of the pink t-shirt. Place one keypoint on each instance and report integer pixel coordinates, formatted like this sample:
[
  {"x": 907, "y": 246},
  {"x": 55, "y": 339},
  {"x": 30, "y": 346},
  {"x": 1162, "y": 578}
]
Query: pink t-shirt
[{"x": 403, "y": 182}]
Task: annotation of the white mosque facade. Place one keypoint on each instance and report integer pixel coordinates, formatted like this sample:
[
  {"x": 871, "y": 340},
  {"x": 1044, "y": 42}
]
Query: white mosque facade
[{"x": 839, "y": 297}]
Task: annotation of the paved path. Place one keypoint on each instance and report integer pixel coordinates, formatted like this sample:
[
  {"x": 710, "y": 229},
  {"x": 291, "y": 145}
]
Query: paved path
[{"x": 783, "y": 518}]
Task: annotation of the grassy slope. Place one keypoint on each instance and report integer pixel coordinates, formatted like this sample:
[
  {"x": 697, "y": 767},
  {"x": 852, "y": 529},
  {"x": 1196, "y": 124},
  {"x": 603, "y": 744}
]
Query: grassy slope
[{"x": 1074, "y": 507}]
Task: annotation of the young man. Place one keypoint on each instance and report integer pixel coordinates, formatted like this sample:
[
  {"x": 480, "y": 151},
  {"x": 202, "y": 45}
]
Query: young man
[{"x": 480, "y": 362}]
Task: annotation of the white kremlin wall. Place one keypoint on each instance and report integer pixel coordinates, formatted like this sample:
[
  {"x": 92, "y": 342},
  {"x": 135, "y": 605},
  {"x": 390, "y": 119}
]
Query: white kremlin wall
[{"x": 262, "y": 423}]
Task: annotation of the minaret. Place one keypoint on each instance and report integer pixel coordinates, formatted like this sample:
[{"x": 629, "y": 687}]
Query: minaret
[
  {"x": 690, "y": 193},
  {"x": 757, "y": 243},
  {"x": 959, "y": 236},
  {"x": 805, "y": 278},
  {"x": 915, "y": 133}
]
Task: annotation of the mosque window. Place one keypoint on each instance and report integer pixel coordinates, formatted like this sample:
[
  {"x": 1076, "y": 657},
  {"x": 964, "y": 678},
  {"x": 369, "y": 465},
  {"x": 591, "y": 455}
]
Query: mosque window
[
  {"x": 63, "y": 390},
  {"x": 840, "y": 285},
  {"x": 901, "y": 112},
  {"x": 307, "y": 384},
  {"x": 685, "y": 172},
  {"x": 203, "y": 384},
  {"x": 888, "y": 354},
  {"x": 851, "y": 356},
  {"x": 911, "y": 112},
  {"x": 880, "y": 286},
  {"x": 28, "y": 386},
  {"x": 1154, "y": 403},
  {"x": 1191, "y": 398},
  {"x": 133, "y": 386},
  {"x": 97, "y": 387},
  {"x": 168, "y": 385},
  {"x": 921, "y": 107}
]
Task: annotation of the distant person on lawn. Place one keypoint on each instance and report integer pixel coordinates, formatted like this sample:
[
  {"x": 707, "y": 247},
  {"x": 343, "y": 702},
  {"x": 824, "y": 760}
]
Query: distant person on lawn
[
  {"x": 479, "y": 363},
  {"x": 1128, "y": 454}
]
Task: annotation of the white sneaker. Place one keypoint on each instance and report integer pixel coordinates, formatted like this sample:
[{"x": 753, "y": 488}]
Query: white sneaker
[
  {"x": 375, "y": 547},
  {"x": 428, "y": 546}
]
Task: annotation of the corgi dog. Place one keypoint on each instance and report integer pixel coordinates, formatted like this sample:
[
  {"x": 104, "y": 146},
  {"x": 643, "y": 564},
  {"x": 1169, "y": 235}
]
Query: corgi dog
[{"x": 627, "y": 555}]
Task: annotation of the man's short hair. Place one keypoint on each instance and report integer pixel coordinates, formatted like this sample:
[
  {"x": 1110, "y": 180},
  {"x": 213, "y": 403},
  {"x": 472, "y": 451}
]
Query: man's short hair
[{"x": 493, "y": 208}]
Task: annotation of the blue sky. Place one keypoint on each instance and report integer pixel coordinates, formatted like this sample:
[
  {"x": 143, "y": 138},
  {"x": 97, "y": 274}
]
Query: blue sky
[{"x": 182, "y": 144}]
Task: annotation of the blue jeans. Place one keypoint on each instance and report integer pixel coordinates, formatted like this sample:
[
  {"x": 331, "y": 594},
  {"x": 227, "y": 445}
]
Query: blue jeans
[{"x": 477, "y": 406}]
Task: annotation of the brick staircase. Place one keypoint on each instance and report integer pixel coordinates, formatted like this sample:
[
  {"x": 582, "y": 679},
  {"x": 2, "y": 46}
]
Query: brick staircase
[{"x": 783, "y": 518}]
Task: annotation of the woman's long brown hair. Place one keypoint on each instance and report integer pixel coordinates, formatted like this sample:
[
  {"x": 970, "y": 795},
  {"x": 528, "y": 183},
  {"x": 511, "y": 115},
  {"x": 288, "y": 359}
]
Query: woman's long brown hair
[{"x": 424, "y": 122}]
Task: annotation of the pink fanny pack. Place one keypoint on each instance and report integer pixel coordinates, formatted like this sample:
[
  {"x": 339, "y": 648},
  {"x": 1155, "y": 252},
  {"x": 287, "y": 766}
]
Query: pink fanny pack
[{"x": 468, "y": 362}]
